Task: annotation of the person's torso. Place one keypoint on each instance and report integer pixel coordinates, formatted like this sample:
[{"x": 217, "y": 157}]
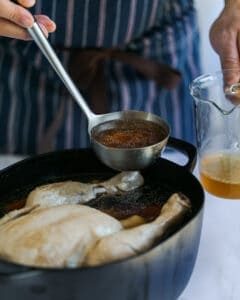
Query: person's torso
[
  {"x": 32, "y": 97},
  {"x": 107, "y": 23}
]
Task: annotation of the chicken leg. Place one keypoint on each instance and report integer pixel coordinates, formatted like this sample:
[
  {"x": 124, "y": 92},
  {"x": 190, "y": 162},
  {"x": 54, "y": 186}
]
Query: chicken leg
[{"x": 130, "y": 242}]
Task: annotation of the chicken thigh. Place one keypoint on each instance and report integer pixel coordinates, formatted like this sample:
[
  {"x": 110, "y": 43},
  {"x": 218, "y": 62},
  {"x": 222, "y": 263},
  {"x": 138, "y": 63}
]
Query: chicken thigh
[{"x": 130, "y": 242}]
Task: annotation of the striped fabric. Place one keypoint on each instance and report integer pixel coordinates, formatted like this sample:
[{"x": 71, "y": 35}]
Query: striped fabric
[{"x": 36, "y": 112}]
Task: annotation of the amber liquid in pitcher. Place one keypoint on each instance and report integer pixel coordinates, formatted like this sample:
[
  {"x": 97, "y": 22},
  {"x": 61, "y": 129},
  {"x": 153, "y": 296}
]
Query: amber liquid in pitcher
[{"x": 220, "y": 174}]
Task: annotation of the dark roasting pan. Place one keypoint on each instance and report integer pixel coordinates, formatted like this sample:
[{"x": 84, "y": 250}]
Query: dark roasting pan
[{"x": 161, "y": 273}]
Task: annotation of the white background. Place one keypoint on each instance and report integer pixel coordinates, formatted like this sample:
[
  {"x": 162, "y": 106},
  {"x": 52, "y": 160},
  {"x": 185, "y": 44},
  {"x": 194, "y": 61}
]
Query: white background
[{"x": 208, "y": 10}]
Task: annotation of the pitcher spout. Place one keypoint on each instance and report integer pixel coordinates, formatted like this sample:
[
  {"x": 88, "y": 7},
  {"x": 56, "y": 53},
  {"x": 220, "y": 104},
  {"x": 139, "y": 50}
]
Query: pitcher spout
[{"x": 211, "y": 89}]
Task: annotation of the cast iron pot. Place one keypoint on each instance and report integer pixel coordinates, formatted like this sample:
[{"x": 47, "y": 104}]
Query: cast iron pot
[{"x": 160, "y": 273}]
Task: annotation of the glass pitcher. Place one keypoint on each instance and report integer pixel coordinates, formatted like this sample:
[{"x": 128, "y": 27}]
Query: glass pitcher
[{"x": 218, "y": 131}]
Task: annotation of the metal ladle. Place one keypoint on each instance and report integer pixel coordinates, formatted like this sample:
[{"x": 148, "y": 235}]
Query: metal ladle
[{"x": 123, "y": 159}]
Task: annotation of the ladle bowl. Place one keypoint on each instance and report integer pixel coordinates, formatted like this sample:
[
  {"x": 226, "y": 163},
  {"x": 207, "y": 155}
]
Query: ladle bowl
[
  {"x": 127, "y": 159},
  {"x": 117, "y": 158}
]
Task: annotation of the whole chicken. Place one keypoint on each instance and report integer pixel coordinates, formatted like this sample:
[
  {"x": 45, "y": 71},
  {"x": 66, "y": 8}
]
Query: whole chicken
[{"x": 73, "y": 235}]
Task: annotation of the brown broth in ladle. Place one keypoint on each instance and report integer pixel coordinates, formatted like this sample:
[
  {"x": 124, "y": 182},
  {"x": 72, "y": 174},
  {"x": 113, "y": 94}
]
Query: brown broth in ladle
[{"x": 128, "y": 133}]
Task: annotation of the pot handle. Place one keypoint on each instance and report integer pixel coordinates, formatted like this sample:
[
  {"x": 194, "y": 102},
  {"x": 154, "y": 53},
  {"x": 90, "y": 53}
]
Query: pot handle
[{"x": 185, "y": 148}]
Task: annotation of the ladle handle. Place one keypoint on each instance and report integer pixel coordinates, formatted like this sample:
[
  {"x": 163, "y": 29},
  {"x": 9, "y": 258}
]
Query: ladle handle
[{"x": 38, "y": 36}]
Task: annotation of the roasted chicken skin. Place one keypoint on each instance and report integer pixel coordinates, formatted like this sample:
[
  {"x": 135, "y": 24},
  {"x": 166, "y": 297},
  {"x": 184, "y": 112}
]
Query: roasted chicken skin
[{"x": 73, "y": 235}]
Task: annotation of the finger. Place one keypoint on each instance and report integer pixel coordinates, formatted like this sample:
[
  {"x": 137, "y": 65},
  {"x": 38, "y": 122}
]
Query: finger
[
  {"x": 9, "y": 29},
  {"x": 230, "y": 62},
  {"x": 46, "y": 22},
  {"x": 26, "y": 3},
  {"x": 44, "y": 29},
  {"x": 233, "y": 91},
  {"x": 230, "y": 58},
  {"x": 15, "y": 13}
]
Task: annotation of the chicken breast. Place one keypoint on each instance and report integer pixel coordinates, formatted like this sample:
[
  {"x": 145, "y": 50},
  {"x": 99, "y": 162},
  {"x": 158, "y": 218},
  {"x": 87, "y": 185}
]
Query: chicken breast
[{"x": 53, "y": 237}]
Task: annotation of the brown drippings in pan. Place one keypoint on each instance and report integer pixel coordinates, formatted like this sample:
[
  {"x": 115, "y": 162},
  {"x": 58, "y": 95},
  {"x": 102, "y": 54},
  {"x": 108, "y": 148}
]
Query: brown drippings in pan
[
  {"x": 149, "y": 212},
  {"x": 15, "y": 205},
  {"x": 145, "y": 201}
]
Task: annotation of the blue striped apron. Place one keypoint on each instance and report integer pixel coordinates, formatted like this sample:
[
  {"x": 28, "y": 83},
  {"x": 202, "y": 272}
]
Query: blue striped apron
[{"x": 36, "y": 112}]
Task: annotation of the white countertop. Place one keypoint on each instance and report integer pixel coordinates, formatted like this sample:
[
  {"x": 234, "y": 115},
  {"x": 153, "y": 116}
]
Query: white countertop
[
  {"x": 216, "y": 273},
  {"x": 217, "y": 269}
]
